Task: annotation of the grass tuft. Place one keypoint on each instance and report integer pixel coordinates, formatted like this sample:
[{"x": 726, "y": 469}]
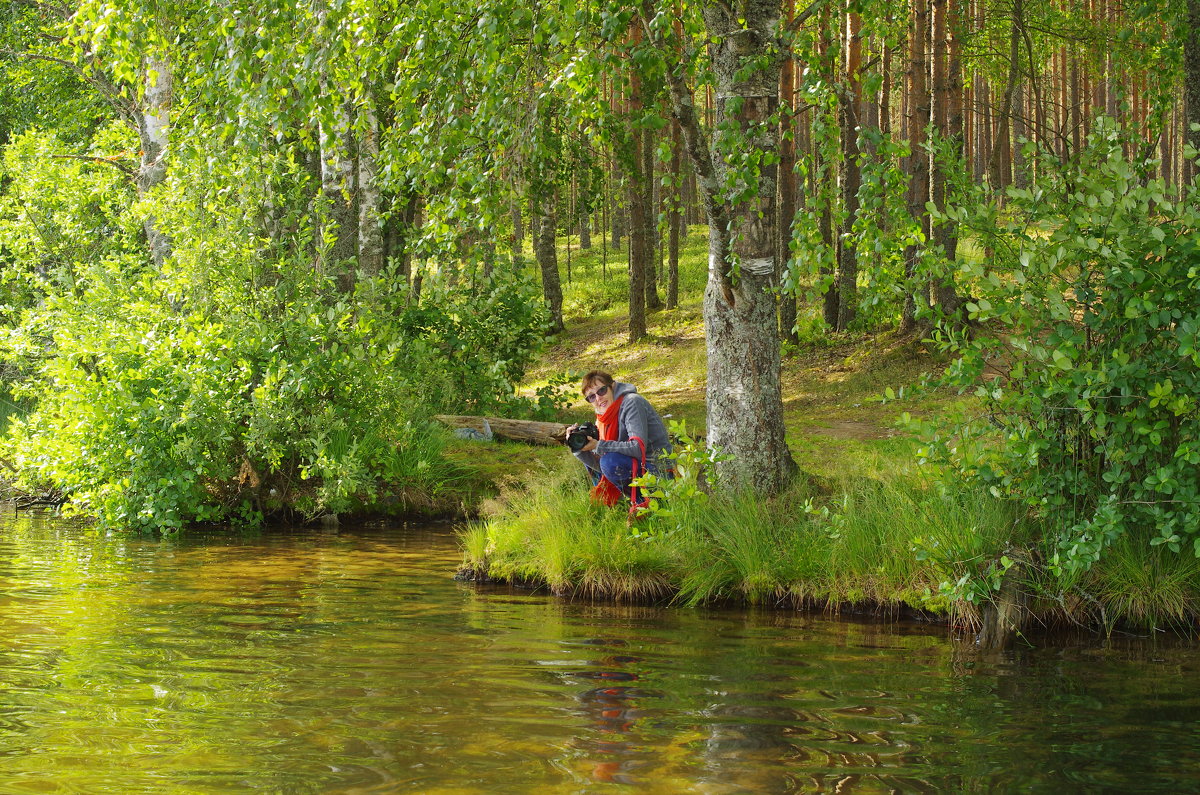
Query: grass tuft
[{"x": 859, "y": 545}]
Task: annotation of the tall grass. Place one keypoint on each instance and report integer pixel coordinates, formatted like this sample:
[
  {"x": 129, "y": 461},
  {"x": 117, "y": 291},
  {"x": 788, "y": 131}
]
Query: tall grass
[
  {"x": 1149, "y": 587},
  {"x": 858, "y": 545},
  {"x": 546, "y": 530}
]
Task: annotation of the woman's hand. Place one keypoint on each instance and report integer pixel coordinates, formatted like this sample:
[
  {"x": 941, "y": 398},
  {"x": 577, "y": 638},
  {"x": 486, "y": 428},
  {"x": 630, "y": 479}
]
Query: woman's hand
[{"x": 590, "y": 446}]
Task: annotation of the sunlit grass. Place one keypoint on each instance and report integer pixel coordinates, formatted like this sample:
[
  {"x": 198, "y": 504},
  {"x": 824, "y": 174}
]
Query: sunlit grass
[
  {"x": 546, "y": 530},
  {"x": 854, "y": 546}
]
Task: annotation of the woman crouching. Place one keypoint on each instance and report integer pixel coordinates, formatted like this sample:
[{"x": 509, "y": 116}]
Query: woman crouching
[{"x": 633, "y": 439}]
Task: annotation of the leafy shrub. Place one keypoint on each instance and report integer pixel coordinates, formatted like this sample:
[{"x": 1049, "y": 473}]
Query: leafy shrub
[
  {"x": 151, "y": 418},
  {"x": 470, "y": 346},
  {"x": 1086, "y": 355},
  {"x": 236, "y": 380}
]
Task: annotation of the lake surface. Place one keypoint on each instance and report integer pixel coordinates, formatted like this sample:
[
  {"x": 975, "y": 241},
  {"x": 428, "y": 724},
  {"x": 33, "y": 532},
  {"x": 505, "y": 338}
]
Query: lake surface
[{"x": 299, "y": 661}]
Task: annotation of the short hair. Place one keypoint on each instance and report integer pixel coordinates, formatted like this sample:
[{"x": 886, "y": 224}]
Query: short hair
[{"x": 593, "y": 377}]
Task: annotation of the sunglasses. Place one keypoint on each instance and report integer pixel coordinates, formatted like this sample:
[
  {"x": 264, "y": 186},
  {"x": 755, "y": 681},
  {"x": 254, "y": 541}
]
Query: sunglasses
[{"x": 599, "y": 393}]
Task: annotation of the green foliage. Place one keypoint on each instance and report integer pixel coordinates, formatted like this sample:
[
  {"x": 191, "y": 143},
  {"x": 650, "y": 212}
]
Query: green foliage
[
  {"x": 556, "y": 395},
  {"x": 883, "y": 229},
  {"x": 468, "y": 347},
  {"x": 1085, "y": 354},
  {"x": 672, "y": 502},
  {"x": 237, "y": 381},
  {"x": 59, "y": 213},
  {"x": 38, "y": 92}
]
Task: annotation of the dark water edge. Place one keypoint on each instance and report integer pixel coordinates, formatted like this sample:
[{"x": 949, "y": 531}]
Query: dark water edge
[{"x": 349, "y": 660}]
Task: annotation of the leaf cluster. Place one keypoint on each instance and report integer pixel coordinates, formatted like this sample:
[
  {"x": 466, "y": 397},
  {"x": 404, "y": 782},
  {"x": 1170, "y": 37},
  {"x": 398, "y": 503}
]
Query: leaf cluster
[{"x": 1085, "y": 355}]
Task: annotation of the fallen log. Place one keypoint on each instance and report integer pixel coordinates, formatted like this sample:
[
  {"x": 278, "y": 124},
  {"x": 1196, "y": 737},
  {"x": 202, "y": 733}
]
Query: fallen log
[{"x": 528, "y": 431}]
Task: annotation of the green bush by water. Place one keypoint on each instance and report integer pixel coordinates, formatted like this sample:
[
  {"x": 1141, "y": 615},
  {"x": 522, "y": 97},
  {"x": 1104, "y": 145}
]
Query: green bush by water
[
  {"x": 235, "y": 380},
  {"x": 1086, "y": 356}
]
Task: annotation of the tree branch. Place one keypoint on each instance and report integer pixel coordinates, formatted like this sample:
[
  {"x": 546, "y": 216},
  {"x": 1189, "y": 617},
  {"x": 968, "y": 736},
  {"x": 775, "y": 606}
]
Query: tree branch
[
  {"x": 105, "y": 87},
  {"x": 804, "y": 16},
  {"x": 109, "y": 161}
]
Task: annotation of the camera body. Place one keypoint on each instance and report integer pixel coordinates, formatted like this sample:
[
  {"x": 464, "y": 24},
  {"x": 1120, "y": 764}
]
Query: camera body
[{"x": 577, "y": 438}]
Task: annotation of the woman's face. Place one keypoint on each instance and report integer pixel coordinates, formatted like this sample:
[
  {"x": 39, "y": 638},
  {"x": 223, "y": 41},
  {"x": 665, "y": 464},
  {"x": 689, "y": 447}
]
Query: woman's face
[{"x": 600, "y": 395}]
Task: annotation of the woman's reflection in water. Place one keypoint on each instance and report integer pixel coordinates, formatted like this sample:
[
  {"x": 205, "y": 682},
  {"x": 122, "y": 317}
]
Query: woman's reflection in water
[{"x": 613, "y": 712}]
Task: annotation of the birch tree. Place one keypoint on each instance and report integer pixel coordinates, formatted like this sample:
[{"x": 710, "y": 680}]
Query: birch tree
[{"x": 736, "y": 172}]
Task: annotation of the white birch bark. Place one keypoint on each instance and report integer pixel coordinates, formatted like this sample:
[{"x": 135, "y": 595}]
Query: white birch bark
[
  {"x": 744, "y": 393},
  {"x": 370, "y": 228},
  {"x": 338, "y": 254},
  {"x": 153, "y": 124}
]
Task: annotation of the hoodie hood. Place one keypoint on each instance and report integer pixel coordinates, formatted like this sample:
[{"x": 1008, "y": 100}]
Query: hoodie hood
[{"x": 621, "y": 389}]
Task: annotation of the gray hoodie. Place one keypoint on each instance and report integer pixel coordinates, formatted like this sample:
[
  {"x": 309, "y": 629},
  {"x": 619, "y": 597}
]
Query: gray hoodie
[{"x": 635, "y": 418}]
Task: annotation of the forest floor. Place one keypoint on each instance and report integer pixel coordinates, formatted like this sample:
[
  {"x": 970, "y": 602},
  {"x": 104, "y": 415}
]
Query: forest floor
[{"x": 833, "y": 385}]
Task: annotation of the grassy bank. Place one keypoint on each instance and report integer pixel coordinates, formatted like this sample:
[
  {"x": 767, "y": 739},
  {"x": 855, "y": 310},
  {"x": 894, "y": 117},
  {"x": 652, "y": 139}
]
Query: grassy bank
[
  {"x": 868, "y": 526},
  {"x": 847, "y": 542}
]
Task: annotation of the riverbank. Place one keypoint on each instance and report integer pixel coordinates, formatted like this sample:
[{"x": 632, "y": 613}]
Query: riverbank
[{"x": 869, "y": 526}]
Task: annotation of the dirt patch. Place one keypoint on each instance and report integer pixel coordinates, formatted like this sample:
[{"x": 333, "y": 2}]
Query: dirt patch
[{"x": 851, "y": 429}]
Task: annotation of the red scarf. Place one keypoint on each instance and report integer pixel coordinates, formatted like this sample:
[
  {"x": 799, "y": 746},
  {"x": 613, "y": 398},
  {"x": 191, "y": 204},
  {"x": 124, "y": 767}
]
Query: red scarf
[
  {"x": 605, "y": 492},
  {"x": 607, "y": 421}
]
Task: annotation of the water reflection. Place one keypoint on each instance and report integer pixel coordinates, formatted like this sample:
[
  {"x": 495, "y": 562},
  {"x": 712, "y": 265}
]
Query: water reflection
[{"x": 351, "y": 662}]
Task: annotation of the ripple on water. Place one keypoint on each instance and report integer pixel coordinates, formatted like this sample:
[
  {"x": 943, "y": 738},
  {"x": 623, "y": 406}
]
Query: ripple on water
[{"x": 351, "y": 662}]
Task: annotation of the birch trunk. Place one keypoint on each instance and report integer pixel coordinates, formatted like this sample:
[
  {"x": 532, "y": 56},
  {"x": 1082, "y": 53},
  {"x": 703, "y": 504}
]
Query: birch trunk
[
  {"x": 744, "y": 398},
  {"x": 370, "y": 229},
  {"x": 851, "y": 100},
  {"x": 336, "y": 258},
  {"x": 152, "y": 132}
]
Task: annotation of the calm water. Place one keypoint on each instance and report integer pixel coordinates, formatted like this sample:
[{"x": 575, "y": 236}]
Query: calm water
[{"x": 313, "y": 661}]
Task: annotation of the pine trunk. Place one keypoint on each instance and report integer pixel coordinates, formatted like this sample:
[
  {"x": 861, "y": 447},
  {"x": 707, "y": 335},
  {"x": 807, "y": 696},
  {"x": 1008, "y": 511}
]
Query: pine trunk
[
  {"x": 999, "y": 168},
  {"x": 828, "y": 170},
  {"x": 640, "y": 248},
  {"x": 851, "y": 98},
  {"x": 648, "y": 222},
  {"x": 950, "y": 121},
  {"x": 675, "y": 216},
  {"x": 917, "y": 297},
  {"x": 637, "y": 181},
  {"x": 1191, "y": 77},
  {"x": 787, "y": 186}
]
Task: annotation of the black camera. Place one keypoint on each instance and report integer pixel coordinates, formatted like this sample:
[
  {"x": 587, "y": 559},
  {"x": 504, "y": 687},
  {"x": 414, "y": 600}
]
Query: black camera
[{"x": 577, "y": 438}]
